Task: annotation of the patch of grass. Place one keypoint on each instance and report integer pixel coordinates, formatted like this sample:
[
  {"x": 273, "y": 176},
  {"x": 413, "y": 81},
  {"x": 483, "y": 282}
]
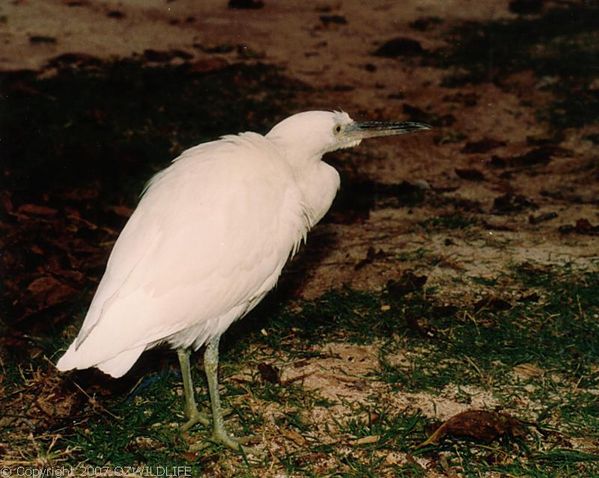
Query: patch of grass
[
  {"x": 140, "y": 434},
  {"x": 400, "y": 431},
  {"x": 556, "y": 333},
  {"x": 446, "y": 348}
]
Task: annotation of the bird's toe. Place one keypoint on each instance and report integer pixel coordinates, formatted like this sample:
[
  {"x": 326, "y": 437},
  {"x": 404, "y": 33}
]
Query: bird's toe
[
  {"x": 195, "y": 418},
  {"x": 236, "y": 444}
]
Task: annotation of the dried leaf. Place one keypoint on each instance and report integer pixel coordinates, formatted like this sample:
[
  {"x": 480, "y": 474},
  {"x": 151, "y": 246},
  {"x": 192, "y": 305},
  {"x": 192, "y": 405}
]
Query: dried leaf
[
  {"x": 294, "y": 436},
  {"x": 479, "y": 425},
  {"x": 528, "y": 370},
  {"x": 36, "y": 210},
  {"x": 366, "y": 440},
  {"x": 49, "y": 291}
]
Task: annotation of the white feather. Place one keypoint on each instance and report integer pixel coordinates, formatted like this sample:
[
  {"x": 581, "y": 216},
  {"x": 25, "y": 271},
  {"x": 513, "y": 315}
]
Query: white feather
[
  {"x": 207, "y": 241},
  {"x": 210, "y": 235}
]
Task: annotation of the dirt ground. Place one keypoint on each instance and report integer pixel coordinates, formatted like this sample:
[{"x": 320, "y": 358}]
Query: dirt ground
[
  {"x": 508, "y": 175},
  {"x": 336, "y": 60}
]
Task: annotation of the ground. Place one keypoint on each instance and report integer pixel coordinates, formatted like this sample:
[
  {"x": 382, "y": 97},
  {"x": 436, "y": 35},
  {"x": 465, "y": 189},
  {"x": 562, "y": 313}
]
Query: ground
[{"x": 454, "y": 280}]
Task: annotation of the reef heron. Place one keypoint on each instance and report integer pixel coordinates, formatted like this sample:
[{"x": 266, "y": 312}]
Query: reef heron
[{"x": 208, "y": 240}]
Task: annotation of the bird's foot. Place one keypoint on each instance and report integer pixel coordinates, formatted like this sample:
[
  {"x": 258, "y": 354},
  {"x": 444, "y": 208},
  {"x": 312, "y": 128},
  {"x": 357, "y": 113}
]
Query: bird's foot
[
  {"x": 236, "y": 444},
  {"x": 195, "y": 417}
]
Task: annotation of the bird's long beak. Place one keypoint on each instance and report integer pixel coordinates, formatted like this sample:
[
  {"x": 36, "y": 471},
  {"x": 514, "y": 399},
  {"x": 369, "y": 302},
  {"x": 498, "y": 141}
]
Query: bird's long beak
[{"x": 374, "y": 129}]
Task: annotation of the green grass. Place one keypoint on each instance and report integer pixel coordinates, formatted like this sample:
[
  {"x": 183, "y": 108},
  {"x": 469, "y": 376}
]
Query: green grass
[{"x": 468, "y": 345}]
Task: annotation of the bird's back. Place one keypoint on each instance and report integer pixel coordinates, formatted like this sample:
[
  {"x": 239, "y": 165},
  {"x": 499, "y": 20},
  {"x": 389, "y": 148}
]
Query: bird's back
[{"x": 208, "y": 239}]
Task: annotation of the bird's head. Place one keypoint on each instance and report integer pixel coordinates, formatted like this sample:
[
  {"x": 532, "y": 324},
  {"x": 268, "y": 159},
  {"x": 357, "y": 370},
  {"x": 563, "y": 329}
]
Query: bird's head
[{"x": 311, "y": 134}]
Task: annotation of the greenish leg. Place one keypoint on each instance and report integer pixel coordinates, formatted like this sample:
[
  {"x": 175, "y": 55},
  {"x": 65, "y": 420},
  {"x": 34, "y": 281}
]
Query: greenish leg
[
  {"x": 191, "y": 409},
  {"x": 219, "y": 433}
]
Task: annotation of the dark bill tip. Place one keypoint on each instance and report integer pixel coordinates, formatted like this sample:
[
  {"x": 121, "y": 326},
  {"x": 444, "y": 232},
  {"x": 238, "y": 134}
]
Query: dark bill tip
[
  {"x": 372, "y": 129},
  {"x": 399, "y": 126}
]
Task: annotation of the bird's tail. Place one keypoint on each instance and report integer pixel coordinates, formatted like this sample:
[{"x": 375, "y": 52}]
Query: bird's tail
[{"x": 116, "y": 366}]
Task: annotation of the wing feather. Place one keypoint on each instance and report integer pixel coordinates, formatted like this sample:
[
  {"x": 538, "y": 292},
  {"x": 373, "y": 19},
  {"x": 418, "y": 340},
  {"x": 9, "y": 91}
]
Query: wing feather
[{"x": 208, "y": 238}]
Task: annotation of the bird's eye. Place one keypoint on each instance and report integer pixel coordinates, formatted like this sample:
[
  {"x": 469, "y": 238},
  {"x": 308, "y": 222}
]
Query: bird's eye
[{"x": 338, "y": 128}]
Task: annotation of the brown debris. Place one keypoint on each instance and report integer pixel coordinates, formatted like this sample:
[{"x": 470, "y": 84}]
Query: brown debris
[
  {"x": 367, "y": 440},
  {"x": 36, "y": 210},
  {"x": 49, "y": 291},
  {"x": 294, "y": 436},
  {"x": 535, "y": 157},
  {"x": 165, "y": 56},
  {"x": 494, "y": 304},
  {"x": 483, "y": 146},
  {"x": 246, "y": 4},
  {"x": 333, "y": 19},
  {"x": 582, "y": 226},
  {"x": 116, "y": 14},
  {"x": 408, "y": 282},
  {"x": 37, "y": 39},
  {"x": 479, "y": 425},
  {"x": 371, "y": 256},
  {"x": 399, "y": 46},
  {"x": 547, "y": 216},
  {"x": 269, "y": 373},
  {"x": 470, "y": 174},
  {"x": 510, "y": 203},
  {"x": 526, "y": 7},
  {"x": 44, "y": 401}
]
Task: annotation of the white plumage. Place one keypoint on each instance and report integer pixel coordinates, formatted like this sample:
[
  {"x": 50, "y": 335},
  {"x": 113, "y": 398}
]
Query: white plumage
[{"x": 210, "y": 237}]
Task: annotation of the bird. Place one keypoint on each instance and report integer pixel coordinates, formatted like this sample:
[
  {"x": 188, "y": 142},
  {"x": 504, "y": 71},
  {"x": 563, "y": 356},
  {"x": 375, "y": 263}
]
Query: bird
[{"x": 208, "y": 240}]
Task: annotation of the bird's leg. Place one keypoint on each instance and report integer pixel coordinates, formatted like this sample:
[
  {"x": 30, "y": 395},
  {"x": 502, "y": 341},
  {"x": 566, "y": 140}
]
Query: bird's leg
[
  {"x": 219, "y": 433},
  {"x": 192, "y": 413}
]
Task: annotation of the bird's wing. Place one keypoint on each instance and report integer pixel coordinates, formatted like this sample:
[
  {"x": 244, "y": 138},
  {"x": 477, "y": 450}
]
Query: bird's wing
[{"x": 210, "y": 236}]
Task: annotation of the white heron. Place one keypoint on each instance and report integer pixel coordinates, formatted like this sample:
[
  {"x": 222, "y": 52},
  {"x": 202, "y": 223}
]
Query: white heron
[{"x": 207, "y": 242}]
